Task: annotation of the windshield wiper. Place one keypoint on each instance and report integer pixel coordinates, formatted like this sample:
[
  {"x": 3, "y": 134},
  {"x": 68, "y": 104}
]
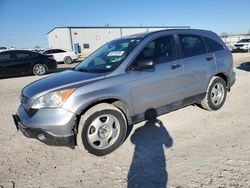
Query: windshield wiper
[{"x": 82, "y": 70}]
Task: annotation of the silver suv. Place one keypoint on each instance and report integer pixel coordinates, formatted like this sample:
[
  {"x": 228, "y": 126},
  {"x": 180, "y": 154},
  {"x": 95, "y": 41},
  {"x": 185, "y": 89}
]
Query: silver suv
[{"x": 96, "y": 103}]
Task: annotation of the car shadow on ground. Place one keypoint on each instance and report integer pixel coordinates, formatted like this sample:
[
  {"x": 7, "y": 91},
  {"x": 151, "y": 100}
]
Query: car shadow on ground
[
  {"x": 148, "y": 167},
  {"x": 244, "y": 66}
]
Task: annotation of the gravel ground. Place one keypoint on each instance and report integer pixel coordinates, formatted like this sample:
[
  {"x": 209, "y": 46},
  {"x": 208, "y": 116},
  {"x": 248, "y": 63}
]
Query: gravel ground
[{"x": 189, "y": 147}]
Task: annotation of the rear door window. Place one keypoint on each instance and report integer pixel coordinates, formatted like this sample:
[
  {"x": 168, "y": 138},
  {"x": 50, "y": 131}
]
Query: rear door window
[
  {"x": 47, "y": 52},
  {"x": 58, "y": 51},
  {"x": 212, "y": 45},
  {"x": 21, "y": 55},
  {"x": 192, "y": 45},
  {"x": 54, "y": 51}
]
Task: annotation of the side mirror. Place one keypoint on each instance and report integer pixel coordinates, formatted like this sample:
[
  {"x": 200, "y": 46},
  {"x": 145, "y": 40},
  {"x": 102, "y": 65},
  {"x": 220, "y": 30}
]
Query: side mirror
[{"x": 145, "y": 64}]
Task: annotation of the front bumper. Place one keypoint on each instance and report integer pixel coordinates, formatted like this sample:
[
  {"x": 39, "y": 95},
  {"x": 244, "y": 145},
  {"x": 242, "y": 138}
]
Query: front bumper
[
  {"x": 50, "y": 126},
  {"x": 240, "y": 49}
]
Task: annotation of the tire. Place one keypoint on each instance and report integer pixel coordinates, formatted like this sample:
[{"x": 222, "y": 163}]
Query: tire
[
  {"x": 216, "y": 94},
  {"x": 39, "y": 69},
  {"x": 68, "y": 60},
  {"x": 101, "y": 129}
]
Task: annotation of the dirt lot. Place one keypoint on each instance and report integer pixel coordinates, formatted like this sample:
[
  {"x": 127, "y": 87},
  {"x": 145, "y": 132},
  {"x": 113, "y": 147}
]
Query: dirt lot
[{"x": 193, "y": 148}]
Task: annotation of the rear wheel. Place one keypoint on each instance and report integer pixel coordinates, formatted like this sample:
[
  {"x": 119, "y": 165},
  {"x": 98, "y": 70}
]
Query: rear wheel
[
  {"x": 101, "y": 129},
  {"x": 216, "y": 94},
  {"x": 68, "y": 60},
  {"x": 40, "y": 69}
]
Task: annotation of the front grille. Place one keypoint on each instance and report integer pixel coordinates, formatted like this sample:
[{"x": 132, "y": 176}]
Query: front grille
[{"x": 239, "y": 45}]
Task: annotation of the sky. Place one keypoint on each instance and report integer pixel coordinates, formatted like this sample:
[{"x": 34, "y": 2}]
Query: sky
[{"x": 25, "y": 23}]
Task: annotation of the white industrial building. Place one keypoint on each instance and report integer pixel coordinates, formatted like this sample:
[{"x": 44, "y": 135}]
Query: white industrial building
[{"x": 85, "y": 40}]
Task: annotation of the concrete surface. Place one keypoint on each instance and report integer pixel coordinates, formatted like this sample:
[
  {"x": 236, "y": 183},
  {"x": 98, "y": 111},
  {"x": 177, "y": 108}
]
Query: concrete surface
[{"x": 190, "y": 147}]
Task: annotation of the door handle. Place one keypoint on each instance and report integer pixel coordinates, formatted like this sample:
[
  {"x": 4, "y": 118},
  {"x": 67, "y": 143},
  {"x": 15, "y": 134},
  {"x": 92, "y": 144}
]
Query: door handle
[
  {"x": 175, "y": 66},
  {"x": 209, "y": 58}
]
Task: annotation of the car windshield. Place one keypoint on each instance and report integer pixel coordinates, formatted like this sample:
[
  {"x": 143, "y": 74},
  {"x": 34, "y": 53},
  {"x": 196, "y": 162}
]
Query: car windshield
[
  {"x": 244, "y": 40},
  {"x": 108, "y": 57}
]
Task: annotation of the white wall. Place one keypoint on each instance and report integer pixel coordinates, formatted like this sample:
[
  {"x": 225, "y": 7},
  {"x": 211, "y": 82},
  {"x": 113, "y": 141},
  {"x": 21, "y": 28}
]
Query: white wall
[
  {"x": 59, "y": 38},
  {"x": 131, "y": 31},
  {"x": 155, "y": 29},
  {"x": 95, "y": 37}
]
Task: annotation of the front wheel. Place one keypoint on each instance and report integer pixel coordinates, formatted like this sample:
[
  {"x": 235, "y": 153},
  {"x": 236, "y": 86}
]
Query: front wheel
[
  {"x": 216, "y": 94},
  {"x": 39, "y": 69},
  {"x": 101, "y": 129}
]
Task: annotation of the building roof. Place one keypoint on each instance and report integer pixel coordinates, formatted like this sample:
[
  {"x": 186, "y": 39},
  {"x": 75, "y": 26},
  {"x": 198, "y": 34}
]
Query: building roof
[{"x": 121, "y": 27}]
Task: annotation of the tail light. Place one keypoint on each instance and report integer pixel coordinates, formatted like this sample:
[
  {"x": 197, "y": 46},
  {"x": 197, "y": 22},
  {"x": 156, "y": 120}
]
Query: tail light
[{"x": 50, "y": 57}]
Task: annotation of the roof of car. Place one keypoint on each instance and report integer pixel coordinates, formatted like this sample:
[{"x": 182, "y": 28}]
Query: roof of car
[
  {"x": 172, "y": 31},
  {"x": 56, "y": 49},
  {"x": 17, "y": 51}
]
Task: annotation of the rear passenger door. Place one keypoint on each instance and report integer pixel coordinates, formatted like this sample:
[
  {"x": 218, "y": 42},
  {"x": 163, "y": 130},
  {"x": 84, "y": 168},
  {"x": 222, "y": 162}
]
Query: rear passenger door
[
  {"x": 198, "y": 64},
  {"x": 217, "y": 50}
]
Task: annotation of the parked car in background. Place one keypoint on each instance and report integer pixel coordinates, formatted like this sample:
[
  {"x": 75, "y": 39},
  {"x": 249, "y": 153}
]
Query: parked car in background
[
  {"x": 242, "y": 45},
  {"x": 3, "y": 48},
  {"x": 122, "y": 83},
  {"x": 17, "y": 62},
  {"x": 61, "y": 55}
]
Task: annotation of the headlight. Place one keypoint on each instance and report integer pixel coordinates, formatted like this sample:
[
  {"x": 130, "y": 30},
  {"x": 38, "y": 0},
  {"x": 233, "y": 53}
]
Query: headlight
[{"x": 53, "y": 99}]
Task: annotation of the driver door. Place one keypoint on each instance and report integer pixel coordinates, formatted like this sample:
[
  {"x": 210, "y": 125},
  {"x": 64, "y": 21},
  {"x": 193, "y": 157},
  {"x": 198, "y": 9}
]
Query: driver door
[{"x": 161, "y": 85}]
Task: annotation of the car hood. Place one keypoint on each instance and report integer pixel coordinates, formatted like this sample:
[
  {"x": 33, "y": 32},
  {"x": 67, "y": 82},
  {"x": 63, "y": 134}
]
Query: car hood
[{"x": 66, "y": 79}]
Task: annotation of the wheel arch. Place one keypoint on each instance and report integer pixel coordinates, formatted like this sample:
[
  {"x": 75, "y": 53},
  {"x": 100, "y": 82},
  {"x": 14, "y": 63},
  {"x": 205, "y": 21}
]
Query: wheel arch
[
  {"x": 117, "y": 102},
  {"x": 225, "y": 78}
]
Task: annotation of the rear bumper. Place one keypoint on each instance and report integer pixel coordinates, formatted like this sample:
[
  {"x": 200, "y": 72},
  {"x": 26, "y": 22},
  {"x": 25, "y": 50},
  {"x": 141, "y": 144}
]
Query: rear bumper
[
  {"x": 232, "y": 79},
  {"x": 52, "y": 65},
  {"x": 43, "y": 135},
  {"x": 232, "y": 82}
]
